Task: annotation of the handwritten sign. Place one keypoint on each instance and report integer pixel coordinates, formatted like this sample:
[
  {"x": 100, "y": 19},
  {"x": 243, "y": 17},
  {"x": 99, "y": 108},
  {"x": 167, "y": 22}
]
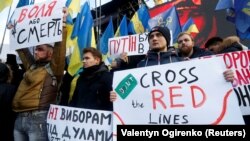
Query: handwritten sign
[
  {"x": 133, "y": 44},
  {"x": 189, "y": 92},
  {"x": 37, "y": 24},
  {"x": 77, "y": 124},
  {"x": 239, "y": 62}
]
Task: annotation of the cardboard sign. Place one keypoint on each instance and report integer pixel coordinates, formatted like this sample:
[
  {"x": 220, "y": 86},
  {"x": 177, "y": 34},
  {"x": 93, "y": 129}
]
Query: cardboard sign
[
  {"x": 77, "y": 124},
  {"x": 133, "y": 45},
  {"x": 37, "y": 24}
]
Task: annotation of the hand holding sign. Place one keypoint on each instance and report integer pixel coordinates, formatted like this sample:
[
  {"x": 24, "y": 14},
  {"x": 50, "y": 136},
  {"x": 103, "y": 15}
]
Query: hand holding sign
[{"x": 65, "y": 14}]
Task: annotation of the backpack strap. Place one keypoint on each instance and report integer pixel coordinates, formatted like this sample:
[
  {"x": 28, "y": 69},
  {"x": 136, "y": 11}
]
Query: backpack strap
[{"x": 50, "y": 72}]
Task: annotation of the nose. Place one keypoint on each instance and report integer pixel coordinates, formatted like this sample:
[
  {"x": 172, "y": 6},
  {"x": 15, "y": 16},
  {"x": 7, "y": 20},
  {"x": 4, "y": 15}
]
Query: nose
[{"x": 154, "y": 37}]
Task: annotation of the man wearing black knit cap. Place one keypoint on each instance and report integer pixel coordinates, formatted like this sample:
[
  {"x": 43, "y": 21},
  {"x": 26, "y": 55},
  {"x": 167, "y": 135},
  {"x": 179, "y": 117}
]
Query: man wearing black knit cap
[{"x": 160, "y": 51}]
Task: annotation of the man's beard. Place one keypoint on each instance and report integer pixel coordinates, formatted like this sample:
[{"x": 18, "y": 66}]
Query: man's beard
[
  {"x": 185, "y": 51},
  {"x": 42, "y": 60}
]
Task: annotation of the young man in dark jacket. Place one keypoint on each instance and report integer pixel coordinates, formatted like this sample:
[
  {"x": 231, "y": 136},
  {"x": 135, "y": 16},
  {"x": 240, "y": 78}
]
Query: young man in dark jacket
[
  {"x": 94, "y": 83},
  {"x": 160, "y": 51}
]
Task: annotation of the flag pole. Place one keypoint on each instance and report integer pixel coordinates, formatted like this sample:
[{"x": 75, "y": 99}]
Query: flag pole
[{"x": 1, "y": 47}]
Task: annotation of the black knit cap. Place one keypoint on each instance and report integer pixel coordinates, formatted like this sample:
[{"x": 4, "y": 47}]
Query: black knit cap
[{"x": 164, "y": 31}]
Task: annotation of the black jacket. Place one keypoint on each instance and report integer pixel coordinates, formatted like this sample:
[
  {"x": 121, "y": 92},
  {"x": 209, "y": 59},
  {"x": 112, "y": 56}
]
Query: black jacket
[
  {"x": 7, "y": 116},
  {"x": 231, "y": 48},
  {"x": 93, "y": 89},
  {"x": 199, "y": 52},
  {"x": 159, "y": 58}
]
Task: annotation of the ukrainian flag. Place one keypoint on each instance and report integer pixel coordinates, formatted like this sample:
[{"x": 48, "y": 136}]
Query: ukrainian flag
[
  {"x": 5, "y": 4},
  {"x": 190, "y": 26},
  {"x": 82, "y": 33},
  {"x": 122, "y": 30},
  {"x": 139, "y": 22},
  {"x": 168, "y": 19},
  {"x": 74, "y": 7},
  {"x": 108, "y": 33}
]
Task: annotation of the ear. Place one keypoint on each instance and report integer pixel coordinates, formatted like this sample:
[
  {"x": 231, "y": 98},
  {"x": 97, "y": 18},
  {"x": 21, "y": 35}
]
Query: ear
[
  {"x": 98, "y": 60},
  {"x": 50, "y": 53}
]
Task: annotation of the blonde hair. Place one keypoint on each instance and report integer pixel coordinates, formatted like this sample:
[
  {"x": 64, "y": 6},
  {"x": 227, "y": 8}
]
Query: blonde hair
[{"x": 185, "y": 33}]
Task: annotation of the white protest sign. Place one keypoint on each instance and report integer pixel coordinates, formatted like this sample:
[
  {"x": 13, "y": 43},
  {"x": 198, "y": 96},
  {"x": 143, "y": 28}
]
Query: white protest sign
[
  {"x": 133, "y": 45},
  {"x": 77, "y": 124},
  {"x": 37, "y": 24},
  {"x": 239, "y": 62},
  {"x": 189, "y": 92}
]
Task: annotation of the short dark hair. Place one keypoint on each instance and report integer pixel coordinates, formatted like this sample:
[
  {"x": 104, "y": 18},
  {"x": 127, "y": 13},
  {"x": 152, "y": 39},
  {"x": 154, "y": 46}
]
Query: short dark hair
[
  {"x": 213, "y": 41},
  {"x": 94, "y": 52}
]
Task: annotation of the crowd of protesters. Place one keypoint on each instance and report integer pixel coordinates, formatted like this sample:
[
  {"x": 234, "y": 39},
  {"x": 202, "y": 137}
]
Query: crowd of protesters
[{"x": 26, "y": 92}]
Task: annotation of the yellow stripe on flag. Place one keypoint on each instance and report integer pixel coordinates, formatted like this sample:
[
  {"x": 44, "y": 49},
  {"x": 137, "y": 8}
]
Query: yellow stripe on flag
[
  {"x": 4, "y": 4},
  {"x": 75, "y": 60}
]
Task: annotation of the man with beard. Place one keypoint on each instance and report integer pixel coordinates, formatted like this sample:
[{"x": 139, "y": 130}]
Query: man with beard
[
  {"x": 187, "y": 48},
  {"x": 38, "y": 88}
]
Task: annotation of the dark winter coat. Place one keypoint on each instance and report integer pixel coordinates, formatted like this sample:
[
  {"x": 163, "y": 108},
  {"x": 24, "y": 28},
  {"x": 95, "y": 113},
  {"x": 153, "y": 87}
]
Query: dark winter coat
[
  {"x": 199, "y": 52},
  {"x": 7, "y": 116},
  {"x": 159, "y": 58},
  {"x": 231, "y": 48},
  {"x": 93, "y": 89}
]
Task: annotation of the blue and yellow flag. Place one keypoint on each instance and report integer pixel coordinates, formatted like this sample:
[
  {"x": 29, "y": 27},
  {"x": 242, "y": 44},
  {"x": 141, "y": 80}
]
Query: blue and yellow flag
[
  {"x": 242, "y": 12},
  {"x": 139, "y": 22},
  {"x": 190, "y": 26},
  {"x": 74, "y": 7},
  {"x": 24, "y": 3},
  {"x": 103, "y": 46},
  {"x": 5, "y": 4},
  {"x": 82, "y": 33},
  {"x": 168, "y": 19},
  {"x": 108, "y": 33},
  {"x": 122, "y": 30}
]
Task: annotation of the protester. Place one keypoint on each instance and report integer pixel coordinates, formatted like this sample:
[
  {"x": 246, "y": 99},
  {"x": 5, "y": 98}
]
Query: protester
[
  {"x": 230, "y": 44},
  {"x": 17, "y": 72},
  {"x": 160, "y": 51},
  {"x": 38, "y": 89},
  {"x": 94, "y": 84},
  {"x": 213, "y": 44},
  {"x": 187, "y": 47},
  {"x": 7, "y": 116}
]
